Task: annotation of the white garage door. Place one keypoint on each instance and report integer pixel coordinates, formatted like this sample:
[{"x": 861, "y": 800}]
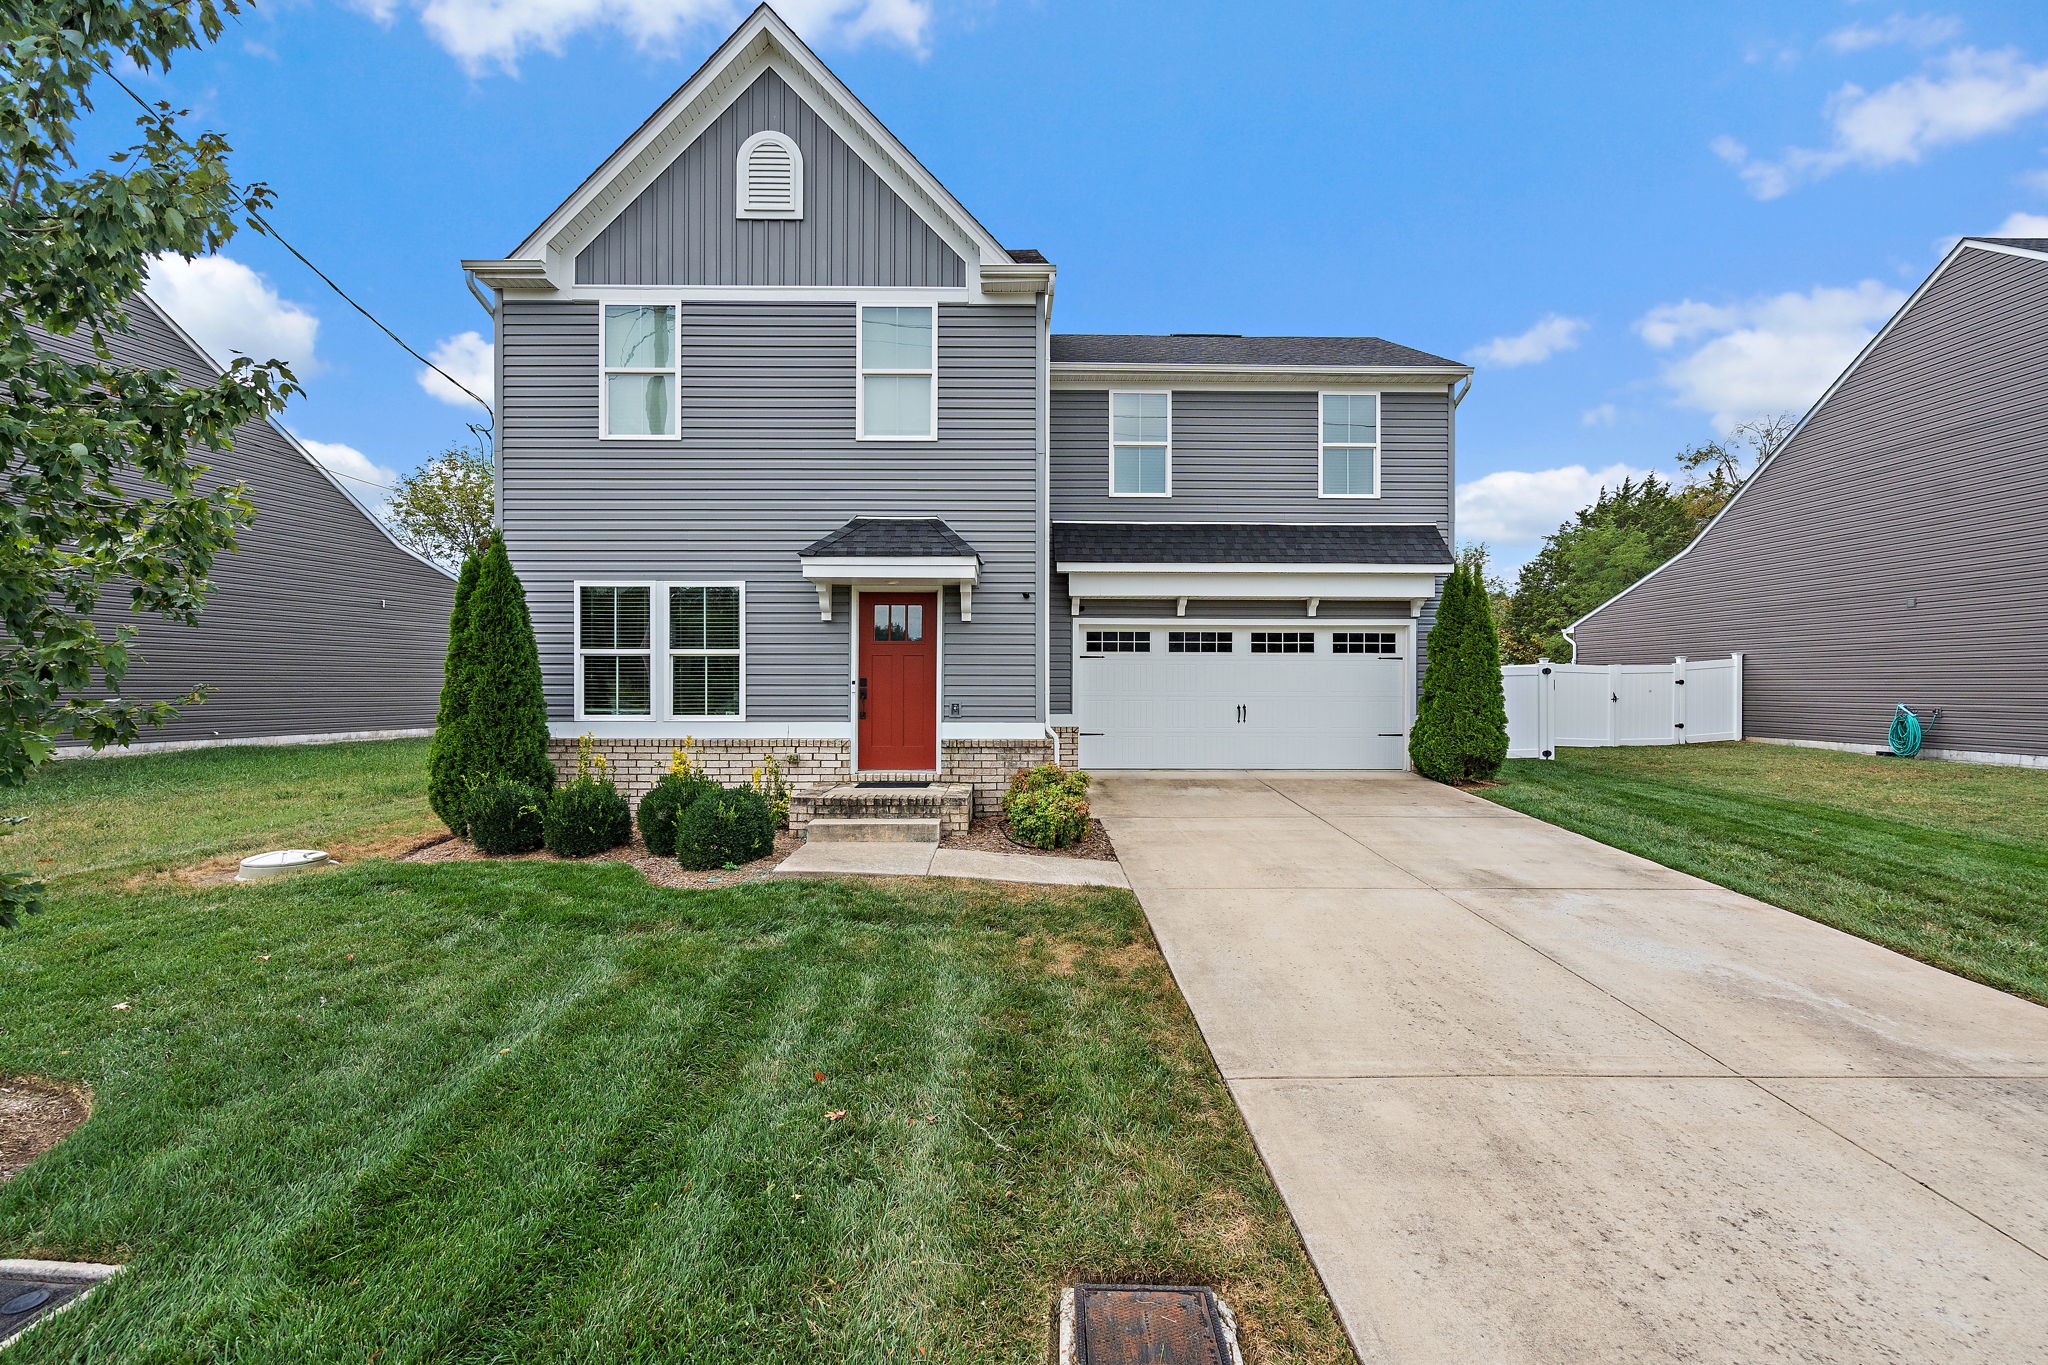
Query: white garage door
[{"x": 1182, "y": 695}]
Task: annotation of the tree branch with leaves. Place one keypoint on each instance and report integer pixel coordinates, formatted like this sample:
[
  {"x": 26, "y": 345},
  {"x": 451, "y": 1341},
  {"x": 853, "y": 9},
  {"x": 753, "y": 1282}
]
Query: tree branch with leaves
[{"x": 445, "y": 508}]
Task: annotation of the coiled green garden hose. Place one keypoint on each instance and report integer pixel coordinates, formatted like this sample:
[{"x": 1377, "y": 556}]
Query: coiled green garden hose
[{"x": 1905, "y": 735}]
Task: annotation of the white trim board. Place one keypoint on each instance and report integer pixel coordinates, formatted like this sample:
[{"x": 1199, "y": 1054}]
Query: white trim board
[
  {"x": 165, "y": 746},
  {"x": 1940, "y": 755}
]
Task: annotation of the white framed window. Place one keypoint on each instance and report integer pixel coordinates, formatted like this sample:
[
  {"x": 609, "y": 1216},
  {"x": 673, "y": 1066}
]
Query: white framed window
[
  {"x": 639, "y": 396},
  {"x": 1350, "y": 446},
  {"x": 1141, "y": 444},
  {"x": 898, "y": 397},
  {"x": 771, "y": 177},
  {"x": 707, "y": 651},
  {"x": 614, "y": 649}
]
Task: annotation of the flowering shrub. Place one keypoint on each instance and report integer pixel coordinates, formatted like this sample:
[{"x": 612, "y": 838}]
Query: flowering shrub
[{"x": 1047, "y": 806}]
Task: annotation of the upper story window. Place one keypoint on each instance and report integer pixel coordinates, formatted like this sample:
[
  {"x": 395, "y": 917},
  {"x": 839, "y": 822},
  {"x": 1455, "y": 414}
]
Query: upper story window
[
  {"x": 1351, "y": 445},
  {"x": 899, "y": 389},
  {"x": 640, "y": 398},
  {"x": 614, "y": 649},
  {"x": 1140, "y": 445},
  {"x": 771, "y": 177}
]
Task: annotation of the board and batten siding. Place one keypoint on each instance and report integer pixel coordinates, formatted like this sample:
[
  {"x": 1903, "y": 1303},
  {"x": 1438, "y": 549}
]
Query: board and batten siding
[
  {"x": 767, "y": 463},
  {"x": 1896, "y": 550},
  {"x": 684, "y": 229},
  {"x": 317, "y": 623}
]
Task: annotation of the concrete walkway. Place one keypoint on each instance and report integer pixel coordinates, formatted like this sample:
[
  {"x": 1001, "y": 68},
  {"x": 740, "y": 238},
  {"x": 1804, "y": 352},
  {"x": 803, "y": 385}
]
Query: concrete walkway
[
  {"x": 1533, "y": 1099},
  {"x": 932, "y": 860}
]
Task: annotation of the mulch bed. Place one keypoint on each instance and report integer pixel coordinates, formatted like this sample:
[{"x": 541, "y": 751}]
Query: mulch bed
[
  {"x": 992, "y": 835},
  {"x": 661, "y": 871},
  {"x": 35, "y": 1115}
]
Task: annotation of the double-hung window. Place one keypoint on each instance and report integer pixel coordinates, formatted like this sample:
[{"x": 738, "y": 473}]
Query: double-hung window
[
  {"x": 704, "y": 634},
  {"x": 1351, "y": 445},
  {"x": 641, "y": 398},
  {"x": 899, "y": 381},
  {"x": 1140, "y": 445},
  {"x": 614, "y": 649}
]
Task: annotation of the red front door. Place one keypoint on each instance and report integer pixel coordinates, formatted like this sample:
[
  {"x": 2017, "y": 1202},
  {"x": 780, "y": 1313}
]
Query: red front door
[{"x": 899, "y": 681}]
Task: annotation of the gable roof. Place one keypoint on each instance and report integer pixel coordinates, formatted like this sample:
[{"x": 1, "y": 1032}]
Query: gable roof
[
  {"x": 763, "y": 40},
  {"x": 1217, "y": 348},
  {"x": 2029, "y": 246}
]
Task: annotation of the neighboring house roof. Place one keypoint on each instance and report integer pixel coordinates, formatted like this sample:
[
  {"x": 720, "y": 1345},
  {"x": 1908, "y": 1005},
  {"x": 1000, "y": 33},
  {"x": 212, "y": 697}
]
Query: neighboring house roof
[
  {"x": 2023, "y": 243},
  {"x": 1204, "y": 348},
  {"x": 1025, "y": 255},
  {"x": 1152, "y": 542},
  {"x": 890, "y": 537}
]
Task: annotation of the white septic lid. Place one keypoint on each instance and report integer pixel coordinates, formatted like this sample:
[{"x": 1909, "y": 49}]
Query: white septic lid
[{"x": 277, "y": 863}]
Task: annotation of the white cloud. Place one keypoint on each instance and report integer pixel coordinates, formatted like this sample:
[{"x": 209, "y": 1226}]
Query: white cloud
[
  {"x": 2022, "y": 225},
  {"x": 1513, "y": 506},
  {"x": 368, "y": 482},
  {"x": 1551, "y": 333},
  {"x": 486, "y": 33},
  {"x": 231, "y": 310},
  {"x": 1902, "y": 30},
  {"x": 1964, "y": 94},
  {"x": 466, "y": 356},
  {"x": 1602, "y": 416},
  {"x": 1771, "y": 354},
  {"x": 2036, "y": 180}
]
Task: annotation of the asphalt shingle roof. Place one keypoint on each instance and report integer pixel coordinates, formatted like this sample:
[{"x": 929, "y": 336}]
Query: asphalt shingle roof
[
  {"x": 1203, "y": 349},
  {"x": 1152, "y": 542},
  {"x": 2023, "y": 243},
  {"x": 879, "y": 536}
]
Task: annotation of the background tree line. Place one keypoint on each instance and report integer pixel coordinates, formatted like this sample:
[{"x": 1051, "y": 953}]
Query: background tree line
[{"x": 1626, "y": 532}]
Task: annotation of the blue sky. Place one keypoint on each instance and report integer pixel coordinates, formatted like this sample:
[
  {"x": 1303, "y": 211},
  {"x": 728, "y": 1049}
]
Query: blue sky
[{"x": 1643, "y": 223}]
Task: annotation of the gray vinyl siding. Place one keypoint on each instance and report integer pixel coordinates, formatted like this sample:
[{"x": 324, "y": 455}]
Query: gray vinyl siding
[
  {"x": 1894, "y": 551},
  {"x": 684, "y": 228},
  {"x": 766, "y": 464},
  {"x": 317, "y": 623},
  {"x": 1253, "y": 455}
]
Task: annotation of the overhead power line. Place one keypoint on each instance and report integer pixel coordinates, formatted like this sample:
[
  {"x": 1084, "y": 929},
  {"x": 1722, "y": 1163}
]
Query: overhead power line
[{"x": 271, "y": 231}]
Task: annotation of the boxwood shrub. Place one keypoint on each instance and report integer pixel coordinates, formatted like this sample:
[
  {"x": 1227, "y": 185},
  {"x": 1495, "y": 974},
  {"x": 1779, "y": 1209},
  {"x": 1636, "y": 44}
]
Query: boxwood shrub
[
  {"x": 505, "y": 816},
  {"x": 1047, "y": 806},
  {"x": 587, "y": 816},
  {"x": 663, "y": 803},
  {"x": 725, "y": 826}
]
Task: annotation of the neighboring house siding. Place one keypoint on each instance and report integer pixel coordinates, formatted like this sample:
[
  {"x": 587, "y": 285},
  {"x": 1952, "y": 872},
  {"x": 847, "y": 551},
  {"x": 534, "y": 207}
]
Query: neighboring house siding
[
  {"x": 1923, "y": 479},
  {"x": 767, "y": 464},
  {"x": 684, "y": 228},
  {"x": 316, "y": 625},
  {"x": 1253, "y": 455}
]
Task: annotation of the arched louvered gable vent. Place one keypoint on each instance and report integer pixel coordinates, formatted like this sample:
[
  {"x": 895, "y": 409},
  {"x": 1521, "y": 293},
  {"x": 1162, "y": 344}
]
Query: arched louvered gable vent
[{"x": 771, "y": 173}]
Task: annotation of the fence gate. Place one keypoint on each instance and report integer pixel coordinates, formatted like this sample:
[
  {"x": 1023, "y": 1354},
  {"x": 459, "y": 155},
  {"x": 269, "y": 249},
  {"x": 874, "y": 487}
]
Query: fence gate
[{"x": 1687, "y": 701}]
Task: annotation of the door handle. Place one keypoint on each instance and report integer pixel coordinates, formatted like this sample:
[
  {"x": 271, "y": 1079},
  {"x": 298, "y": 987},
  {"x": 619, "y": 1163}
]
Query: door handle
[{"x": 863, "y": 699}]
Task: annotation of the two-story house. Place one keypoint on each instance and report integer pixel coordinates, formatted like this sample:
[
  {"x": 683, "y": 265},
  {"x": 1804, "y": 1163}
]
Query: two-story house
[{"x": 790, "y": 461}]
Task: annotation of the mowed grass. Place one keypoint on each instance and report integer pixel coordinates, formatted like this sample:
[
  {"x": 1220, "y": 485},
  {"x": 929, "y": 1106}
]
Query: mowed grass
[
  {"x": 1946, "y": 862},
  {"x": 543, "y": 1111}
]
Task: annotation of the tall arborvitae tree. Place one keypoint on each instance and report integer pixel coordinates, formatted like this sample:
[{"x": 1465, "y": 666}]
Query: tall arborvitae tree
[
  {"x": 447, "y": 765},
  {"x": 504, "y": 725},
  {"x": 1461, "y": 722}
]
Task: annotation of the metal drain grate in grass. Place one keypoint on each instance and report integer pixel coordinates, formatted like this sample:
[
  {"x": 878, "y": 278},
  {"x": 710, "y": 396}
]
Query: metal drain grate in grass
[
  {"x": 33, "y": 1290},
  {"x": 1146, "y": 1324}
]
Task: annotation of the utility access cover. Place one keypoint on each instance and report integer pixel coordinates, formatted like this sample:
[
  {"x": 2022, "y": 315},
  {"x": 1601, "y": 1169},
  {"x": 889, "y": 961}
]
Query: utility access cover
[
  {"x": 1146, "y": 1324},
  {"x": 32, "y": 1290}
]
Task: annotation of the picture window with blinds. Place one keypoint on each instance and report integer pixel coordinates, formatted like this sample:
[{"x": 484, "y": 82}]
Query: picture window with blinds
[
  {"x": 1362, "y": 642},
  {"x": 705, "y": 649},
  {"x": 640, "y": 397},
  {"x": 1283, "y": 642},
  {"x": 1198, "y": 642},
  {"x": 1119, "y": 641},
  {"x": 614, "y": 649},
  {"x": 771, "y": 177}
]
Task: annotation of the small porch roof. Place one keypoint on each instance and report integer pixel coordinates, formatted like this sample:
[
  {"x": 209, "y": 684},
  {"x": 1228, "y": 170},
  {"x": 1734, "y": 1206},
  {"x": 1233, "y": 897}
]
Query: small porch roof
[{"x": 891, "y": 552}]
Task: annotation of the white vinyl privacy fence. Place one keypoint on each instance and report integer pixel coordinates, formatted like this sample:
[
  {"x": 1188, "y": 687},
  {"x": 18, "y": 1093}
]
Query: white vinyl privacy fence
[{"x": 1576, "y": 706}]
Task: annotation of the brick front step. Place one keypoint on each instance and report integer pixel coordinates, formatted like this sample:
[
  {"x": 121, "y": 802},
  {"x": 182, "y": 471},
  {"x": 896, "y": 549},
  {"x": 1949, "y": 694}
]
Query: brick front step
[
  {"x": 949, "y": 805},
  {"x": 837, "y": 830}
]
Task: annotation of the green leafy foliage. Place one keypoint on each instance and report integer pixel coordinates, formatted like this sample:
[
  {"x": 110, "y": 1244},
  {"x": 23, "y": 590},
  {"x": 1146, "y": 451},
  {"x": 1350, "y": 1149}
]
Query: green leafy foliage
[
  {"x": 444, "y": 509},
  {"x": 103, "y": 489},
  {"x": 1461, "y": 721},
  {"x": 505, "y": 817},
  {"x": 725, "y": 827},
  {"x": 586, "y": 816},
  {"x": 1047, "y": 806},
  {"x": 448, "y": 781},
  {"x": 503, "y": 728},
  {"x": 663, "y": 803}
]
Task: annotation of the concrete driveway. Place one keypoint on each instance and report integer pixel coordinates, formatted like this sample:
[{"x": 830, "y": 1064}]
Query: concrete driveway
[{"x": 1531, "y": 1098}]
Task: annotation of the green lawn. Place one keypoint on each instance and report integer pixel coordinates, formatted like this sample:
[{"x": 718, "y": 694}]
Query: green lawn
[
  {"x": 1946, "y": 862},
  {"x": 544, "y": 1111}
]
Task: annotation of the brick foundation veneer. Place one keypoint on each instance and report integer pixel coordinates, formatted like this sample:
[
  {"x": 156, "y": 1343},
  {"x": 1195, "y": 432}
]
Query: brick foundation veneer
[{"x": 983, "y": 764}]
